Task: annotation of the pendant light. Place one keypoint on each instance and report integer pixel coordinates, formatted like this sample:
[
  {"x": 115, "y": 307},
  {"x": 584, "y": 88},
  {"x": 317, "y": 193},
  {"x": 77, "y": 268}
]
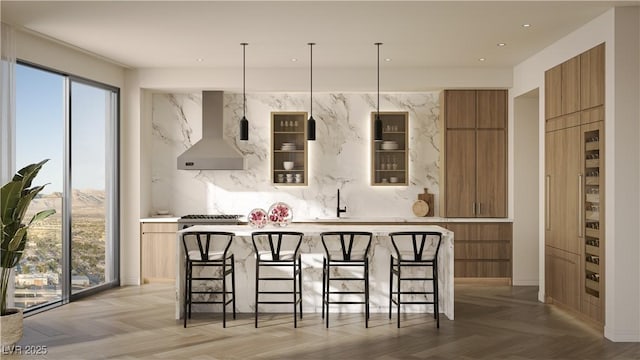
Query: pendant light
[
  {"x": 311, "y": 123},
  {"x": 244, "y": 123},
  {"x": 377, "y": 123}
]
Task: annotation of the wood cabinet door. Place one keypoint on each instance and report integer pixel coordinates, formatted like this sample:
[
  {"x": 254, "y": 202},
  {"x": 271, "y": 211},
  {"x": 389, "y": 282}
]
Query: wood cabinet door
[
  {"x": 562, "y": 152},
  {"x": 460, "y": 109},
  {"x": 553, "y": 92},
  {"x": 491, "y": 179},
  {"x": 491, "y": 109},
  {"x": 571, "y": 85},
  {"x": 460, "y": 172},
  {"x": 562, "y": 277},
  {"x": 592, "y": 77}
]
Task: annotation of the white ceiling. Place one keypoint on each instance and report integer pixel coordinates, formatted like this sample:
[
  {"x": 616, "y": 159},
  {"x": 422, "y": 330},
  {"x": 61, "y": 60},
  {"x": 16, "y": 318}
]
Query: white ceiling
[{"x": 160, "y": 34}]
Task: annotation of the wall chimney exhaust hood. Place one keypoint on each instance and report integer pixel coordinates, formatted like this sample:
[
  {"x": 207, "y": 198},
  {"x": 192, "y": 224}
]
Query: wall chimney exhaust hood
[{"x": 212, "y": 152}]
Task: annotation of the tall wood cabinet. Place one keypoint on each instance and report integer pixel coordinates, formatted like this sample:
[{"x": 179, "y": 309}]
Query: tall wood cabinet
[
  {"x": 475, "y": 156},
  {"x": 574, "y": 179}
]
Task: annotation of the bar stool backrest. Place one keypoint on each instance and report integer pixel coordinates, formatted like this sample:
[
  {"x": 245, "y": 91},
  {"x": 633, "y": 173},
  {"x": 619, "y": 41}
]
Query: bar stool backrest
[
  {"x": 416, "y": 245},
  {"x": 346, "y": 245},
  {"x": 278, "y": 243},
  {"x": 206, "y": 243}
]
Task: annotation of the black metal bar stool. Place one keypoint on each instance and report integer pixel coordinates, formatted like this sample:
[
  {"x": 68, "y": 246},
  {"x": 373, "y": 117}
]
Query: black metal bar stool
[
  {"x": 414, "y": 249},
  {"x": 279, "y": 249},
  {"x": 345, "y": 249},
  {"x": 208, "y": 249}
]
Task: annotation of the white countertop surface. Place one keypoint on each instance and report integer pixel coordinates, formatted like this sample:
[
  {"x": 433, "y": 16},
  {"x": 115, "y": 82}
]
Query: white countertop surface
[
  {"x": 348, "y": 219},
  {"x": 316, "y": 229}
]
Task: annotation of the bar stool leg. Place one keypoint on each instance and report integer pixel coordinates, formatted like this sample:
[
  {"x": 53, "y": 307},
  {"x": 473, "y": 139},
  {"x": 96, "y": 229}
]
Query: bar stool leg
[
  {"x": 300, "y": 282},
  {"x": 390, "y": 284},
  {"x": 295, "y": 293},
  {"x": 186, "y": 292},
  {"x": 436, "y": 295},
  {"x": 328, "y": 293},
  {"x": 257, "y": 290},
  {"x": 324, "y": 282},
  {"x": 233, "y": 285},
  {"x": 366, "y": 292},
  {"x": 399, "y": 287},
  {"x": 224, "y": 293}
]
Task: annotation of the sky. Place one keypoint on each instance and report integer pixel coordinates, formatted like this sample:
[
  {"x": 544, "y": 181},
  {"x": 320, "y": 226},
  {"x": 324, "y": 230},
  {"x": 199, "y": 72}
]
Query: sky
[{"x": 40, "y": 129}]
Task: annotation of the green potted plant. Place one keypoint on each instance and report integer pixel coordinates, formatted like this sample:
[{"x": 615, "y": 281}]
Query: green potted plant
[{"x": 15, "y": 197}]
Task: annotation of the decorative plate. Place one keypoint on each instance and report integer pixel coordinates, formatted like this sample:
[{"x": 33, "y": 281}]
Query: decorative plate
[
  {"x": 258, "y": 218},
  {"x": 280, "y": 214}
]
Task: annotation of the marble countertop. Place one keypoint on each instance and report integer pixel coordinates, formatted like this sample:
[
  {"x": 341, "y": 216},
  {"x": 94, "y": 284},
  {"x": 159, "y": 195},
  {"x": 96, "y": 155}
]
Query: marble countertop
[
  {"x": 316, "y": 229},
  {"x": 348, "y": 219}
]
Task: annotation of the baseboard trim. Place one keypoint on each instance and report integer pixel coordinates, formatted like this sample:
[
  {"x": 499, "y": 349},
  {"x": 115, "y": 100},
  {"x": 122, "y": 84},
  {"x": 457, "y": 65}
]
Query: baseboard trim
[
  {"x": 482, "y": 281},
  {"x": 621, "y": 336},
  {"x": 526, "y": 282}
]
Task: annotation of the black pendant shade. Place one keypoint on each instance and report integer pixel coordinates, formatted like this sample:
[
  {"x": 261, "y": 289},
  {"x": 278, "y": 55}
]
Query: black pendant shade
[
  {"x": 244, "y": 129},
  {"x": 377, "y": 128},
  {"x": 377, "y": 123},
  {"x": 244, "y": 123},
  {"x": 311, "y": 123}
]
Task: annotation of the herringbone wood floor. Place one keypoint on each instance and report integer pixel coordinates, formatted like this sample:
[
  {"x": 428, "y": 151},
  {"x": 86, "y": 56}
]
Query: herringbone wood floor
[{"x": 491, "y": 323}]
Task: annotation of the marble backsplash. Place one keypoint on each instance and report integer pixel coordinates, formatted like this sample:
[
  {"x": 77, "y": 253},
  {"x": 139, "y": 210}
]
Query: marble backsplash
[{"x": 339, "y": 158}]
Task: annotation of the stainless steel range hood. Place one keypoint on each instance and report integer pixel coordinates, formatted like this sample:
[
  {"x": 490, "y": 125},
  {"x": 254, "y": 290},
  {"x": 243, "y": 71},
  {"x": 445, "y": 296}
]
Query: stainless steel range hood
[{"x": 212, "y": 152}]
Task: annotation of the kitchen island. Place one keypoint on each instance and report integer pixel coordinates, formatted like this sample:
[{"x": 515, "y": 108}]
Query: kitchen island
[{"x": 312, "y": 254}]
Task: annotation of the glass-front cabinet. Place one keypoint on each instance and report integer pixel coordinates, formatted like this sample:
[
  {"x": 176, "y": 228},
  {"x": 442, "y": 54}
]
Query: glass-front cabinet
[
  {"x": 389, "y": 157},
  {"x": 593, "y": 200},
  {"x": 289, "y": 148}
]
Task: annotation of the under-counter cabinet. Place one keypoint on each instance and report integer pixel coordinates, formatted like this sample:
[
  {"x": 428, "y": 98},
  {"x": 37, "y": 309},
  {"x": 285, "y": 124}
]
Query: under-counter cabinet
[
  {"x": 475, "y": 156},
  {"x": 482, "y": 250},
  {"x": 389, "y": 157},
  {"x": 574, "y": 184},
  {"x": 289, "y": 148},
  {"x": 158, "y": 251}
]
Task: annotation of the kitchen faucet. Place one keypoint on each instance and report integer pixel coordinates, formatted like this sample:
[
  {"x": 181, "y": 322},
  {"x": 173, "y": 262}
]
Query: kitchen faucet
[{"x": 338, "y": 210}]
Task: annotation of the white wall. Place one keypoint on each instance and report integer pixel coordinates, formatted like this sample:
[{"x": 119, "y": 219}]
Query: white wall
[
  {"x": 618, "y": 29},
  {"x": 525, "y": 198}
]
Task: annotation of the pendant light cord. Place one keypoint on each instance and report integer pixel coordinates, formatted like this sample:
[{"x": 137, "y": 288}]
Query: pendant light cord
[
  {"x": 244, "y": 96},
  {"x": 311, "y": 77},
  {"x": 378, "y": 45}
]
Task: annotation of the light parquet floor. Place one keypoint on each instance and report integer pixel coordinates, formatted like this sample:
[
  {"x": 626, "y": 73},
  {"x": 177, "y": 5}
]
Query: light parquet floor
[{"x": 491, "y": 323}]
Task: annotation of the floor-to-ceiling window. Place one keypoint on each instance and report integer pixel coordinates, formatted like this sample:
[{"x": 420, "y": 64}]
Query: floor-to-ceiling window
[{"x": 73, "y": 122}]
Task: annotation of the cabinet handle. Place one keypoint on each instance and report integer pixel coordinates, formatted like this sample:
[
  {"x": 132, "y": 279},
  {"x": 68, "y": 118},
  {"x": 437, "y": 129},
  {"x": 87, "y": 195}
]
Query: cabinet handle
[
  {"x": 473, "y": 208},
  {"x": 546, "y": 202},
  {"x": 479, "y": 208},
  {"x": 580, "y": 205}
]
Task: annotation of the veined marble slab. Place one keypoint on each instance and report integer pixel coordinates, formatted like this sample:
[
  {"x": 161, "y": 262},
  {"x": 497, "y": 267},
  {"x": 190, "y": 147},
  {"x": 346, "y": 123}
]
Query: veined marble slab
[{"x": 312, "y": 254}]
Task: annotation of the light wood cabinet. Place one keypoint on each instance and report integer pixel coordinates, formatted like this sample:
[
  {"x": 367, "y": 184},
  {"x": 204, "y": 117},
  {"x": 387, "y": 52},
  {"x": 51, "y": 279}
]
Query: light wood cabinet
[
  {"x": 563, "y": 88},
  {"x": 562, "y": 189},
  {"x": 475, "y": 157},
  {"x": 289, "y": 148},
  {"x": 390, "y": 157},
  {"x": 158, "y": 251},
  {"x": 482, "y": 250},
  {"x": 553, "y": 92},
  {"x": 574, "y": 191},
  {"x": 592, "y": 78},
  {"x": 563, "y": 280},
  {"x": 571, "y": 85}
]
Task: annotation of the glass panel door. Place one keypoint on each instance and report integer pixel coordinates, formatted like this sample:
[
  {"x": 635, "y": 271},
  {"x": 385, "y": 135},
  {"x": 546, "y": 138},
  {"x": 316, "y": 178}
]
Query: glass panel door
[
  {"x": 40, "y": 134},
  {"x": 92, "y": 117}
]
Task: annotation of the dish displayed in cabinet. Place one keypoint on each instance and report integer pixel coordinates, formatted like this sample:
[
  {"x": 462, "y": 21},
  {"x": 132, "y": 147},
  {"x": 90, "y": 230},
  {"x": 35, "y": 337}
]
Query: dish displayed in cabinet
[
  {"x": 288, "y": 148},
  {"x": 389, "y": 158}
]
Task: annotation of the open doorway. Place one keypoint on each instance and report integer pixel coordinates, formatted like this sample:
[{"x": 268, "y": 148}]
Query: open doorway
[{"x": 526, "y": 189}]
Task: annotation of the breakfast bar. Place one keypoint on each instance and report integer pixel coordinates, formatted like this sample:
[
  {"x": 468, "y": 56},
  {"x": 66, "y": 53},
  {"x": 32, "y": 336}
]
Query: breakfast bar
[{"x": 312, "y": 255}]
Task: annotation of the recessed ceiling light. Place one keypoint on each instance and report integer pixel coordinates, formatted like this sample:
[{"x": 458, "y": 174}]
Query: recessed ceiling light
[
  {"x": 199, "y": 59},
  {"x": 501, "y": 44},
  {"x": 294, "y": 59},
  {"x": 526, "y": 25},
  {"x": 482, "y": 59},
  {"x": 387, "y": 59}
]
